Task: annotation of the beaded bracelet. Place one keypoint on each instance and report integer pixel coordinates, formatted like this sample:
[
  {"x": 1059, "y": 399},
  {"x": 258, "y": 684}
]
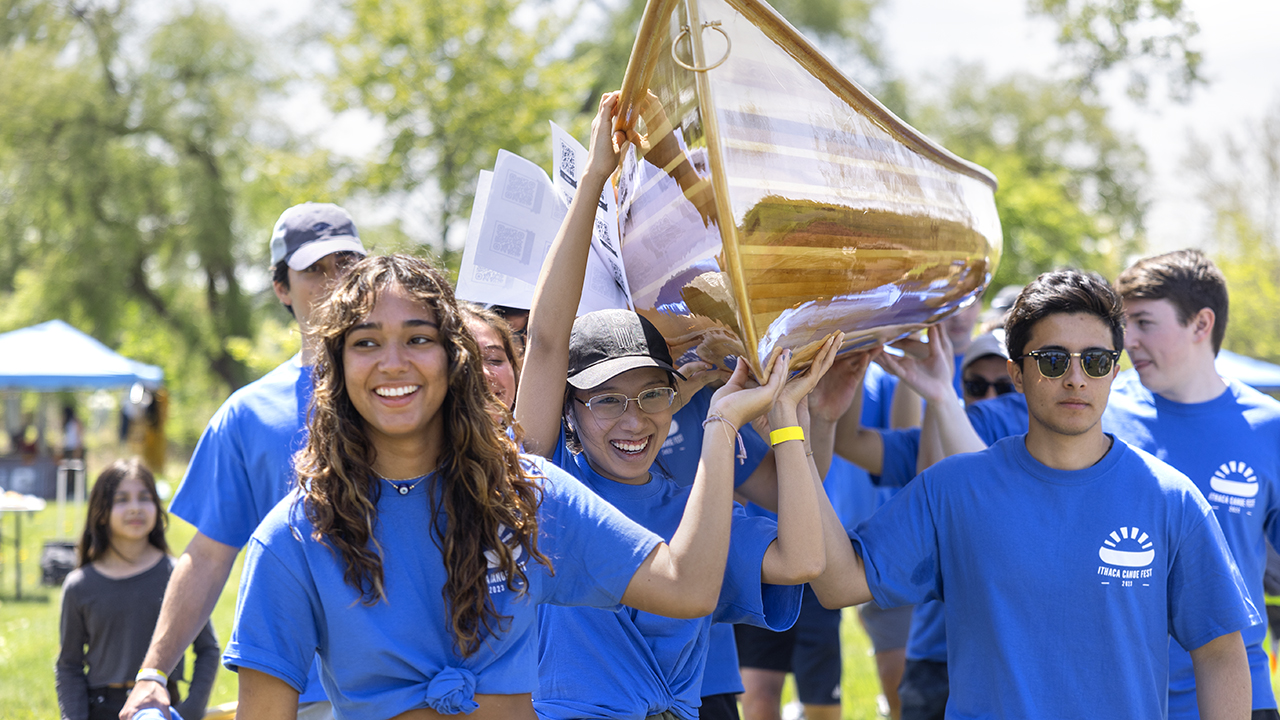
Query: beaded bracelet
[{"x": 742, "y": 448}]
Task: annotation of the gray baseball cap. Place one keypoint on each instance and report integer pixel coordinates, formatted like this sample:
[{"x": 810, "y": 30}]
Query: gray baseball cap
[
  {"x": 307, "y": 232},
  {"x": 988, "y": 345}
]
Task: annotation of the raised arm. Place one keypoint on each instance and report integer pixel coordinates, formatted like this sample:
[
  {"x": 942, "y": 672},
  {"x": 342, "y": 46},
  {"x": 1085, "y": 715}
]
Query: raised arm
[
  {"x": 859, "y": 445},
  {"x": 798, "y": 555},
  {"x": 682, "y": 578},
  {"x": 928, "y": 370},
  {"x": 555, "y": 298}
]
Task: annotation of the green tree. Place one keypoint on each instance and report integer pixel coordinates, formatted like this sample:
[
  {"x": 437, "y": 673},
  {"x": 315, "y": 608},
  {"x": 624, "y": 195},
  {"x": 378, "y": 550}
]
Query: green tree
[
  {"x": 1146, "y": 37},
  {"x": 1069, "y": 183},
  {"x": 1240, "y": 185},
  {"x": 132, "y": 201},
  {"x": 453, "y": 82}
]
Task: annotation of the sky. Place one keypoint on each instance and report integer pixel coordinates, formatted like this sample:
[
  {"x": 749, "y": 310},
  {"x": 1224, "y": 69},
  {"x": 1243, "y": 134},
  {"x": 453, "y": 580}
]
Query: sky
[{"x": 926, "y": 37}]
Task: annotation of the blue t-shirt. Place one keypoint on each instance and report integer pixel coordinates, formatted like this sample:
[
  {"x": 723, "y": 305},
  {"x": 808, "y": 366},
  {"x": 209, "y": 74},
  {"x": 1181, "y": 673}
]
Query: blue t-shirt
[
  {"x": 1230, "y": 448},
  {"x": 397, "y": 655},
  {"x": 992, "y": 420},
  {"x": 243, "y": 464},
  {"x": 627, "y": 663},
  {"x": 679, "y": 457},
  {"x": 1043, "y": 569}
]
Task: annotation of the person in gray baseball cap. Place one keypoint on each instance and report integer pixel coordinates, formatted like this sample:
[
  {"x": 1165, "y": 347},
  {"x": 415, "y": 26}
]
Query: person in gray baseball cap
[{"x": 243, "y": 464}]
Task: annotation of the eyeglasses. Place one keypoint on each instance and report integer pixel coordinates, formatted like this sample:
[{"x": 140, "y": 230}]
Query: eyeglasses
[
  {"x": 1095, "y": 363},
  {"x": 612, "y": 405},
  {"x": 978, "y": 387}
]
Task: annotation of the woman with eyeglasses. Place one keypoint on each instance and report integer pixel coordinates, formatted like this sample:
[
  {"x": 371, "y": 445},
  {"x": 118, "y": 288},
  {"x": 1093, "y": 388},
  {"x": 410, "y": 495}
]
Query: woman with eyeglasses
[
  {"x": 419, "y": 542},
  {"x": 596, "y": 397}
]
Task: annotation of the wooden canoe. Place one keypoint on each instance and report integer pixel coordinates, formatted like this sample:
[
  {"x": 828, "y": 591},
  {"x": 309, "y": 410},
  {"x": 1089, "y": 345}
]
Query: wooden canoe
[{"x": 772, "y": 201}]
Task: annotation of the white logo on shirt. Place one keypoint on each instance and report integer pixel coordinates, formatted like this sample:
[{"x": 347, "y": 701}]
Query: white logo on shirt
[
  {"x": 1127, "y": 552},
  {"x": 1235, "y": 478},
  {"x": 498, "y": 578},
  {"x": 674, "y": 438}
]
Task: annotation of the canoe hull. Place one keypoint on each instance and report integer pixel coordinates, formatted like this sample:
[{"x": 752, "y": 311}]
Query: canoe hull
[{"x": 773, "y": 201}]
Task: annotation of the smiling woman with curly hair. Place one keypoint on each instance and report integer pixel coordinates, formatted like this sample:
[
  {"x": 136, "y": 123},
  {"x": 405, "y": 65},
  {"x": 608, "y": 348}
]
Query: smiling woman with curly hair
[{"x": 414, "y": 552}]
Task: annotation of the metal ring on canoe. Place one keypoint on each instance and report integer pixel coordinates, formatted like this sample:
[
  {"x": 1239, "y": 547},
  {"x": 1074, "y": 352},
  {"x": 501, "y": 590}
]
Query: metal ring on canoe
[{"x": 684, "y": 30}]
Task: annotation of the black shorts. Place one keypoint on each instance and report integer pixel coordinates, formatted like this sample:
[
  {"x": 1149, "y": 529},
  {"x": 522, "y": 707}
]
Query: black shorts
[
  {"x": 719, "y": 707},
  {"x": 924, "y": 689},
  {"x": 810, "y": 650}
]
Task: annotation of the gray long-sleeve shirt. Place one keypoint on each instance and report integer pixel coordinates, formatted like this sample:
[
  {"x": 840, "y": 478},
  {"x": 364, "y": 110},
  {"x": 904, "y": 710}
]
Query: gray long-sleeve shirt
[{"x": 114, "y": 618}]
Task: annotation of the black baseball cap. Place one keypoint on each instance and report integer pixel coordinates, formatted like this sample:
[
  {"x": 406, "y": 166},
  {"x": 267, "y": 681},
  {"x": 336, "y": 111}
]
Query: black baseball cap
[
  {"x": 607, "y": 343},
  {"x": 307, "y": 232}
]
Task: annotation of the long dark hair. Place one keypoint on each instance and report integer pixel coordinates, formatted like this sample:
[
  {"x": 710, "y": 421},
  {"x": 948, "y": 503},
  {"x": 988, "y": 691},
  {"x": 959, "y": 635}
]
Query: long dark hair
[
  {"x": 97, "y": 526},
  {"x": 484, "y": 486}
]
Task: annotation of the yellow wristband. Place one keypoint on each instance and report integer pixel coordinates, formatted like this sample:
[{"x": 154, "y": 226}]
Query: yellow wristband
[
  {"x": 153, "y": 675},
  {"x": 781, "y": 435}
]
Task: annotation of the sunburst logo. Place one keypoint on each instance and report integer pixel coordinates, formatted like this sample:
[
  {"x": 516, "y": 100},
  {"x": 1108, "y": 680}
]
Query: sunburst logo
[
  {"x": 1127, "y": 547},
  {"x": 1235, "y": 478},
  {"x": 517, "y": 550}
]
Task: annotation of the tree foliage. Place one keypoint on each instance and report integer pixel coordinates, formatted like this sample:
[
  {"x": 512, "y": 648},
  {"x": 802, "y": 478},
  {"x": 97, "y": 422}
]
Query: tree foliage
[
  {"x": 1241, "y": 187},
  {"x": 1146, "y": 37},
  {"x": 1069, "y": 183},
  {"x": 453, "y": 82},
  {"x": 132, "y": 198}
]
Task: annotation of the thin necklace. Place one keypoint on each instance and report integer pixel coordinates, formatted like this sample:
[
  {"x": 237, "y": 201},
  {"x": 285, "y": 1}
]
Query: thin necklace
[{"x": 404, "y": 489}]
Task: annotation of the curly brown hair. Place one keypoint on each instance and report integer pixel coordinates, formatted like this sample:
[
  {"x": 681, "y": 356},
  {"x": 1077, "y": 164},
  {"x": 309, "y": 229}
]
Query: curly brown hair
[{"x": 481, "y": 489}]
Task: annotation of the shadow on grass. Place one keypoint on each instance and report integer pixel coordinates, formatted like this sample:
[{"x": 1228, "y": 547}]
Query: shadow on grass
[{"x": 40, "y": 599}]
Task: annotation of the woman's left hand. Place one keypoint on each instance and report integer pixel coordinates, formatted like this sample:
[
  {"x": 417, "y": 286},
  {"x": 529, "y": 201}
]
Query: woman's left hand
[
  {"x": 740, "y": 400},
  {"x": 783, "y": 412}
]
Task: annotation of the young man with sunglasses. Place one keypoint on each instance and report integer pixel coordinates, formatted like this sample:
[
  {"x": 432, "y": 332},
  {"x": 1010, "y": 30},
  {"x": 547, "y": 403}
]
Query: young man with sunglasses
[
  {"x": 1224, "y": 435},
  {"x": 1069, "y": 557},
  {"x": 984, "y": 376}
]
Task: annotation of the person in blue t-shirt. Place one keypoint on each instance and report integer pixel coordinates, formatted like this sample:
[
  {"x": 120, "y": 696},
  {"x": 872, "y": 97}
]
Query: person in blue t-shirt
[
  {"x": 418, "y": 544},
  {"x": 721, "y": 681},
  {"x": 1224, "y": 435},
  {"x": 612, "y": 376},
  {"x": 1069, "y": 557},
  {"x": 242, "y": 465}
]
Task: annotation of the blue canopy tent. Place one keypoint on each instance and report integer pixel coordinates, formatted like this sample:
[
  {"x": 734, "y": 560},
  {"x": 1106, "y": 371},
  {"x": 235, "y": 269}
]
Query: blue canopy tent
[
  {"x": 54, "y": 356},
  {"x": 1258, "y": 374}
]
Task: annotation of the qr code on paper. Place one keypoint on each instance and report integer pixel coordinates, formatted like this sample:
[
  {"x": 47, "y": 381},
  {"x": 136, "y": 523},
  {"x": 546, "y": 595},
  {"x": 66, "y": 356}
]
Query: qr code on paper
[
  {"x": 602, "y": 283},
  {"x": 520, "y": 190},
  {"x": 485, "y": 276},
  {"x": 510, "y": 241},
  {"x": 568, "y": 165},
  {"x": 605, "y": 238}
]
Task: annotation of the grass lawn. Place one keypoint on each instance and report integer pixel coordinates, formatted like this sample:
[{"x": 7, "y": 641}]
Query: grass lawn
[{"x": 29, "y": 628}]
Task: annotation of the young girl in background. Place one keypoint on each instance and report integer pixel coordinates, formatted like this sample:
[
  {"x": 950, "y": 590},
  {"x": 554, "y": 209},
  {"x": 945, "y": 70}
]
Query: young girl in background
[{"x": 110, "y": 603}]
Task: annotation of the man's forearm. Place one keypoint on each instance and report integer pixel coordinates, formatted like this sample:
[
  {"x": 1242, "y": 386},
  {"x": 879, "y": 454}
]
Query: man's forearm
[
  {"x": 1222, "y": 679},
  {"x": 193, "y": 591}
]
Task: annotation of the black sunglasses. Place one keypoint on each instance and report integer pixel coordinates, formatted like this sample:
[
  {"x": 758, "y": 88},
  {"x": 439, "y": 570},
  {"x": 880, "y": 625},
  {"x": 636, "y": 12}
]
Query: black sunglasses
[
  {"x": 978, "y": 387},
  {"x": 1096, "y": 363}
]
